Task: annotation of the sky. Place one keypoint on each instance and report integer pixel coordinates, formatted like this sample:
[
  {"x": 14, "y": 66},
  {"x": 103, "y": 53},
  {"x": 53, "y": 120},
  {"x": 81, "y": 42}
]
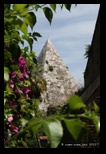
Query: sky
[{"x": 69, "y": 32}]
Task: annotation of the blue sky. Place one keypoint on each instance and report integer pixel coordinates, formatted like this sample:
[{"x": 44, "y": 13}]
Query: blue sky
[{"x": 69, "y": 33}]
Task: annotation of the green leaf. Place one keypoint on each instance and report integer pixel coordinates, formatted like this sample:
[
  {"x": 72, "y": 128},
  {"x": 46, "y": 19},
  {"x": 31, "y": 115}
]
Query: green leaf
[
  {"x": 75, "y": 127},
  {"x": 26, "y": 49},
  {"x": 53, "y": 6},
  {"x": 48, "y": 13},
  {"x": 23, "y": 28},
  {"x": 35, "y": 124},
  {"x": 96, "y": 107},
  {"x": 6, "y": 74},
  {"x": 29, "y": 40},
  {"x": 9, "y": 90},
  {"x": 23, "y": 12},
  {"x": 24, "y": 143},
  {"x": 19, "y": 7},
  {"x": 23, "y": 122},
  {"x": 54, "y": 131},
  {"x": 68, "y": 6},
  {"x": 96, "y": 119},
  {"x": 30, "y": 19},
  {"x": 19, "y": 24},
  {"x": 75, "y": 102},
  {"x": 36, "y": 34}
]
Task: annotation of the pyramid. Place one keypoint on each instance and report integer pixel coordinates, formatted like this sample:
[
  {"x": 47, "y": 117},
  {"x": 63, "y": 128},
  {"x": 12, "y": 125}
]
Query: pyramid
[{"x": 60, "y": 83}]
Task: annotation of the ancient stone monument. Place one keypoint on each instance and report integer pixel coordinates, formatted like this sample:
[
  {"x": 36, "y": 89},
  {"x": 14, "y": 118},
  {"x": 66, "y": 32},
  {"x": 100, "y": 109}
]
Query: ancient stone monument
[{"x": 60, "y": 83}]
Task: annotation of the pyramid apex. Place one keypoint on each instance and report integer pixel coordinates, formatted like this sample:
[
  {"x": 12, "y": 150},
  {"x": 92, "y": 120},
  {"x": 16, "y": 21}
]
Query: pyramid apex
[{"x": 48, "y": 41}]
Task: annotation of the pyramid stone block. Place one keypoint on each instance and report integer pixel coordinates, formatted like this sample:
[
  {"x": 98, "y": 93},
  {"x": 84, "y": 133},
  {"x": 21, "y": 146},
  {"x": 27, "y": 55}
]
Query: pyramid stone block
[{"x": 60, "y": 83}]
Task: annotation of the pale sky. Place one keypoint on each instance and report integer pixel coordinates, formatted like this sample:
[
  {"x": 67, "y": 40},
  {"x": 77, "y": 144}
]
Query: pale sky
[{"x": 69, "y": 32}]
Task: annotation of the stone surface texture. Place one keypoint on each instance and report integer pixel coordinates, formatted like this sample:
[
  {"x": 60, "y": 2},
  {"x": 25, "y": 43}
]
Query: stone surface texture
[{"x": 60, "y": 83}]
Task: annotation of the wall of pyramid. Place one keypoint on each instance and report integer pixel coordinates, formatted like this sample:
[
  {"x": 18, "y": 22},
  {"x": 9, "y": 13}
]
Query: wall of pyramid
[{"x": 60, "y": 83}]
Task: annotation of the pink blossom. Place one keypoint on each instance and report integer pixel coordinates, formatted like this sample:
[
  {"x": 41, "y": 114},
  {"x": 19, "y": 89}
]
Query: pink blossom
[
  {"x": 12, "y": 104},
  {"x": 13, "y": 129},
  {"x": 11, "y": 84},
  {"x": 10, "y": 119},
  {"x": 13, "y": 74},
  {"x": 17, "y": 92},
  {"x": 22, "y": 66},
  {"x": 21, "y": 76},
  {"x": 22, "y": 61},
  {"x": 25, "y": 90}
]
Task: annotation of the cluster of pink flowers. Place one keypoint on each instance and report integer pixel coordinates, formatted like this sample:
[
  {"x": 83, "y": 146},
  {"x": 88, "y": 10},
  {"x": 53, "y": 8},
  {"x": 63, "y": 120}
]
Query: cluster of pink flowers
[
  {"x": 22, "y": 66},
  {"x": 25, "y": 90},
  {"x": 12, "y": 104},
  {"x": 13, "y": 129}
]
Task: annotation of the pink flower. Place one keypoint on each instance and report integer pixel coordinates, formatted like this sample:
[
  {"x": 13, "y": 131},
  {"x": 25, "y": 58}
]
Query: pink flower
[
  {"x": 13, "y": 129},
  {"x": 10, "y": 119},
  {"x": 22, "y": 61},
  {"x": 12, "y": 104},
  {"x": 22, "y": 66},
  {"x": 17, "y": 92},
  {"x": 13, "y": 74},
  {"x": 11, "y": 84},
  {"x": 21, "y": 76},
  {"x": 25, "y": 90},
  {"x": 23, "y": 147}
]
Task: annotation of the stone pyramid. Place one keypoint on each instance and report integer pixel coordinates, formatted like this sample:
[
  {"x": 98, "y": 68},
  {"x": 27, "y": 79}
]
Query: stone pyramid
[{"x": 60, "y": 83}]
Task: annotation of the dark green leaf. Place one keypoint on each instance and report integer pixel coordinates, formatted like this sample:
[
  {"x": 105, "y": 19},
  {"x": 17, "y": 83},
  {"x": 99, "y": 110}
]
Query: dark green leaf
[
  {"x": 54, "y": 131},
  {"x": 53, "y": 6},
  {"x": 48, "y": 13},
  {"x": 30, "y": 19},
  {"x": 15, "y": 50},
  {"x": 26, "y": 49},
  {"x": 68, "y": 6},
  {"x": 37, "y": 7},
  {"x": 7, "y": 6},
  {"x": 75, "y": 127},
  {"x": 75, "y": 102},
  {"x": 36, "y": 34},
  {"x": 35, "y": 124},
  {"x": 19, "y": 7},
  {"x": 35, "y": 39},
  {"x": 29, "y": 40}
]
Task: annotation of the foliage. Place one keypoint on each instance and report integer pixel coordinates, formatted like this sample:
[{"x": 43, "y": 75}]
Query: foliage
[
  {"x": 87, "y": 51},
  {"x": 23, "y": 84}
]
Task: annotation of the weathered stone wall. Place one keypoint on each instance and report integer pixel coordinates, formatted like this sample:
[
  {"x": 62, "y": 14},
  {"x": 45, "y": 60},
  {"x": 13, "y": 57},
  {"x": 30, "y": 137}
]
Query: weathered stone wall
[{"x": 60, "y": 83}]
